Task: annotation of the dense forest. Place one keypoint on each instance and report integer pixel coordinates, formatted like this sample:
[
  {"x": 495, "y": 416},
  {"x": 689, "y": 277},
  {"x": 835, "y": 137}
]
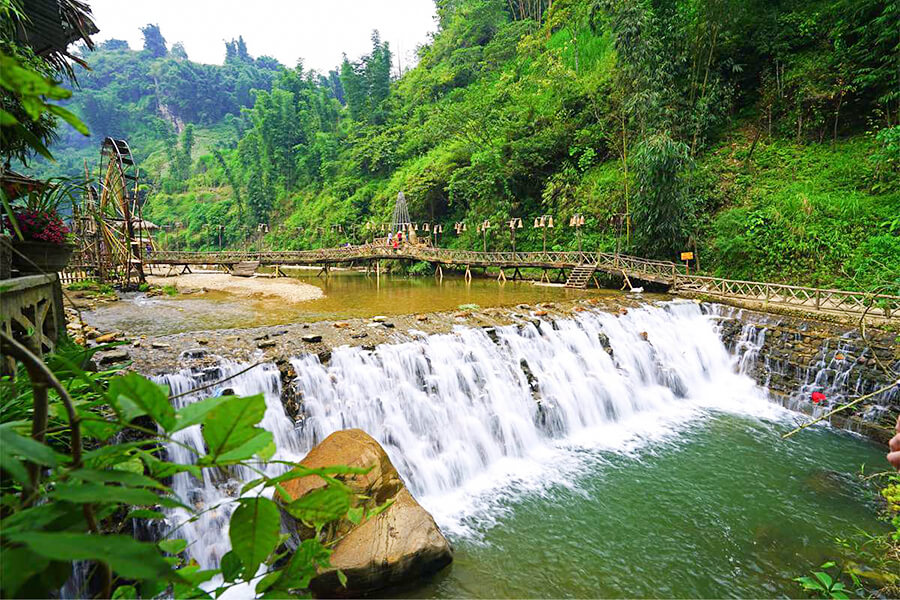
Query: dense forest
[{"x": 764, "y": 134}]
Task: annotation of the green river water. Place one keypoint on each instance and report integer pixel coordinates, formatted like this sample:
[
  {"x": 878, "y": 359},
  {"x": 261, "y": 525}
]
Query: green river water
[{"x": 723, "y": 509}]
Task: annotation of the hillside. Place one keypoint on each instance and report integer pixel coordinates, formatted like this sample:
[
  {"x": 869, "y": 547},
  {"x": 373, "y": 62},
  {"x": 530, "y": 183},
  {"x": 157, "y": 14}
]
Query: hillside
[{"x": 765, "y": 134}]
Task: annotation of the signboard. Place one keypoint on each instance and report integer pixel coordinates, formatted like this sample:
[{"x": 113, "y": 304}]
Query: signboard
[{"x": 687, "y": 256}]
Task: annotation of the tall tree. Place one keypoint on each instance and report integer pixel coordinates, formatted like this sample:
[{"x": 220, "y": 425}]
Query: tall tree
[{"x": 154, "y": 42}]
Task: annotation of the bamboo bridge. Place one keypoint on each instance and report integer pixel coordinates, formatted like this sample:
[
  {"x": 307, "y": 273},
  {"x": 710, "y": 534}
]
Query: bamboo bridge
[{"x": 673, "y": 276}]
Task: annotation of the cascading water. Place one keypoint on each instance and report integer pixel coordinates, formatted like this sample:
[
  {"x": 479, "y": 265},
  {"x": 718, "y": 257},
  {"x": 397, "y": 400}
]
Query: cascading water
[
  {"x": 479, "y": 410},
  {"x": 207, "y": 536}
]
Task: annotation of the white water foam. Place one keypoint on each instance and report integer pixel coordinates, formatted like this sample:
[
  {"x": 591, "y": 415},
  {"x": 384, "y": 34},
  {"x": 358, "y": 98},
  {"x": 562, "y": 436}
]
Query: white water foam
[{"x": 474, "y": 418}]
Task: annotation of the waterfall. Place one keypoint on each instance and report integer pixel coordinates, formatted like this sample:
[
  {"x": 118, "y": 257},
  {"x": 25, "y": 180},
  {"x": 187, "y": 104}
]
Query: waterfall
[
  {"x": 213, "y": 496},
  {"x": 478, "y": 410}
]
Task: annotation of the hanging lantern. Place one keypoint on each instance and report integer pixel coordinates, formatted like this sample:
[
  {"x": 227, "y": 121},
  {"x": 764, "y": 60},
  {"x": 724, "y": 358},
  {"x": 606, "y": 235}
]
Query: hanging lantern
[
  {"x": 536, "y": 224},
  {"x": 518, "y": 223},
  {"x": 582, "y": 220},
  {"x": 550, "y": 223}
]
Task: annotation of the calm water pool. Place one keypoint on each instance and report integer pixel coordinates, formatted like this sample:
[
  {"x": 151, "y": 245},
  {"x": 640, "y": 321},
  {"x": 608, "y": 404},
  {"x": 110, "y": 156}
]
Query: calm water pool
[{"x": 347, "y": 295}]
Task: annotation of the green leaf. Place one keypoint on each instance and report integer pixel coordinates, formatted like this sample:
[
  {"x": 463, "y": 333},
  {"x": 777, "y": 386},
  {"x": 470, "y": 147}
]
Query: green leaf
[
  {"x": 69, "y": 118},
  {"x": 144, "y": 513},
  {"x": 161, "y": 469},
  {"x": 825, "y": 578},
  {"x": 7, "y": 119},
  {"x": 342, "y": 578},
  {"x": 127, "y": 557},
  {"x": 320, "y": 506},
  {"x": 230, "y": 425},
  {"x": 231, "y": 566},
  {"x": 13, "y": 444},
  {"x": 172, "y": 546},
  {"x": 17, "y": 566},
  {"x": 827, "y": 565},
  {"x": 136, "y": 395},
  {"x": 116, "y": 476},
  {"x": 254, "y": 532},
  {"x": 267, "y": 581},
  {"x": 126, "y": 592},
  {"x": 808, "y": 583},
  {"x": 261, "y": 445},
  {"x": 303, "y": 565},
  {"x": 355, "y": 515},
  {"x": 86, "y": 493},
  {"x": 193, "y": 413}
]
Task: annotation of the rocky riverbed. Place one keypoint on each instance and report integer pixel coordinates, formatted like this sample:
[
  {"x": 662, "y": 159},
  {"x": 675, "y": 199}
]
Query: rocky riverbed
[{"x": 277, "y": 343}]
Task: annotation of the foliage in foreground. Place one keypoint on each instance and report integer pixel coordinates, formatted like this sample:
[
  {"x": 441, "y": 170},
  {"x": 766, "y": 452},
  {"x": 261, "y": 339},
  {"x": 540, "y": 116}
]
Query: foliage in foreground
[
  {"x": 74, "y": 477},
  {"x": 870, "y": 563}
]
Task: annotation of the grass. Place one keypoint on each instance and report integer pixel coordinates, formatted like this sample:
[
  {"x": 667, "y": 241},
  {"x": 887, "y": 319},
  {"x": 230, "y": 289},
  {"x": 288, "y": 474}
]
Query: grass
[{"x": 801, "y": 213}]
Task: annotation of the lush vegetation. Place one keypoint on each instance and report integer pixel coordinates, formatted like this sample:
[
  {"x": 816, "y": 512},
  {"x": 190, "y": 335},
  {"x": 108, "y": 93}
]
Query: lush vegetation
[
  {"x": 83, "y": 453},
  {"x": 764, "y": 133}
]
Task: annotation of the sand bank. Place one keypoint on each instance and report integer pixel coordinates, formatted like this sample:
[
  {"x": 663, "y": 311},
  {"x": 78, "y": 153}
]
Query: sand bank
[{"x": 282, "y": 287}]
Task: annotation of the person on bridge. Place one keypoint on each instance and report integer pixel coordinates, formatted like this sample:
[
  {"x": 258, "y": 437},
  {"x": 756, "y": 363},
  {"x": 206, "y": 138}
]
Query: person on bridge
[{"x": 394, "y": 243}]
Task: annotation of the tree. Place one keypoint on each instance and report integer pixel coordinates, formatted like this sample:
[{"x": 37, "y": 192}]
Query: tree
[
  {"x": 154, "y": 42},
  {"x": 112, "y": 44},
  {"x": 178, "y": 51}
]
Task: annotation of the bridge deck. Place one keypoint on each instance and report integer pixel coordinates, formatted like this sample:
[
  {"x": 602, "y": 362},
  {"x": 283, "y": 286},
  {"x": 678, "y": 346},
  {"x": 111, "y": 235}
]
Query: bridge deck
[{"x": 812, "y": 300}]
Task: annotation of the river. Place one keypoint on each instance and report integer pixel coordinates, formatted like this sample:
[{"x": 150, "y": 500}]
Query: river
[{"x": 599, "y": 455}]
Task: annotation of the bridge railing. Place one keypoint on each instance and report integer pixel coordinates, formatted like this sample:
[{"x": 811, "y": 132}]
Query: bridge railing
[{"x": 820, "y": 299}]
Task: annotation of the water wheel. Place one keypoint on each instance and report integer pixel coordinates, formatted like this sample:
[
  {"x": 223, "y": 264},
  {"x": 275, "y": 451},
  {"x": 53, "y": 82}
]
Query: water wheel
[{"x": 121, "y": 228}]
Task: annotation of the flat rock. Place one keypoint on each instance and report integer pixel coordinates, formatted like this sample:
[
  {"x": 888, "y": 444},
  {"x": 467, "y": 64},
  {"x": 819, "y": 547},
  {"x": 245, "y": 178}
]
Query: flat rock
[
  {"x": 311, "y": 339},
  {"x": 160, "y": 345},
  {"x": 107, "y": 337},
  {"x": 266, "y": 344},
  {"x": 112, "y": 357},
  {"x": 379, "y": 319}
]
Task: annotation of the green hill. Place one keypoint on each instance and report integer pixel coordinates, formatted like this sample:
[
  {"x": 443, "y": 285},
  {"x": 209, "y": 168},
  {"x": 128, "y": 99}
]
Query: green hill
[{"x": 764, "y": 133}]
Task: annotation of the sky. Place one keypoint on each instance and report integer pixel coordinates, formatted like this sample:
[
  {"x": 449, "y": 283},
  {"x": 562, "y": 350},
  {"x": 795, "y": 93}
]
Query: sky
[{"x": 318, "y": 31}]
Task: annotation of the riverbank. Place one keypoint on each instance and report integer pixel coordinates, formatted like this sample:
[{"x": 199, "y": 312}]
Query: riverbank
[{"x": 288, "y": 289}]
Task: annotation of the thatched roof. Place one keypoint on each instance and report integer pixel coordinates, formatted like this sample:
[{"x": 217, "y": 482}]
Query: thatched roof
[
  {"x": 52, "y": 25},
  {"x": 15, "y": 185}
]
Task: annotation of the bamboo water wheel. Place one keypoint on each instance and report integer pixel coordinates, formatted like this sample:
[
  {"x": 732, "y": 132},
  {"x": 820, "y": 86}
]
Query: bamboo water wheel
[{"x": 109, "y": 225}]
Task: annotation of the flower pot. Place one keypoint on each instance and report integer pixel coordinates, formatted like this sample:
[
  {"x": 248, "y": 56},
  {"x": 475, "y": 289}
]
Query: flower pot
[{"x": 42, "y": 257}]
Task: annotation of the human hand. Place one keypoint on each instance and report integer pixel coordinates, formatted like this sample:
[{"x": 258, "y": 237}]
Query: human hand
[{"x": 894, "y": 455}]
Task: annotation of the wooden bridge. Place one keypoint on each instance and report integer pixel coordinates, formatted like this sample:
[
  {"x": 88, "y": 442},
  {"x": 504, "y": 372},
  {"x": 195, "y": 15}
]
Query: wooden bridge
[{"x": 672, "y": 275}]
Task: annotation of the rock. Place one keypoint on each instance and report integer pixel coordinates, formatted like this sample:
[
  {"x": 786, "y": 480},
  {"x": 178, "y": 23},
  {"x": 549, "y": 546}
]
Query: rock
[
  {"x": 92, "y": 334},
  {"x": 548, "y": 305},
  {"x": 341, "y": 325},
  {"x": 579, "y": 309},
  {"x": 421, "y": 318},
  {"x": 623, "y": 311},
  {"x": 266, "y": 344},
  {"x": 359, "y": 336},
  {"x": 523, "y": 307},
  {"x": 107, "y": 338},
  {"x": 388, "y": 325},
  {"x": 160, "y": 345},
  {"x": 311, "y": 339},
  {"x": 644, "y": 335},
  {"x": 202, "y": 341},
  {"x": 379, "y": 319},
  {"x": 113, "y": 357},
  {"x": 540, "y": 313},
  {"x": 400, "y": 545},
  {"x": 462, "y": 315}
]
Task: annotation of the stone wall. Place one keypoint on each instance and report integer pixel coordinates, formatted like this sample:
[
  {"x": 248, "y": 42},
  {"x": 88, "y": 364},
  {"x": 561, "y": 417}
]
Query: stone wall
[{"x": 795, "y": 357}]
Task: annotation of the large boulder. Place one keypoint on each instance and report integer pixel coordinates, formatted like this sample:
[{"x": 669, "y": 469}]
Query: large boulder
[{"x": 397, "y": 546}]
